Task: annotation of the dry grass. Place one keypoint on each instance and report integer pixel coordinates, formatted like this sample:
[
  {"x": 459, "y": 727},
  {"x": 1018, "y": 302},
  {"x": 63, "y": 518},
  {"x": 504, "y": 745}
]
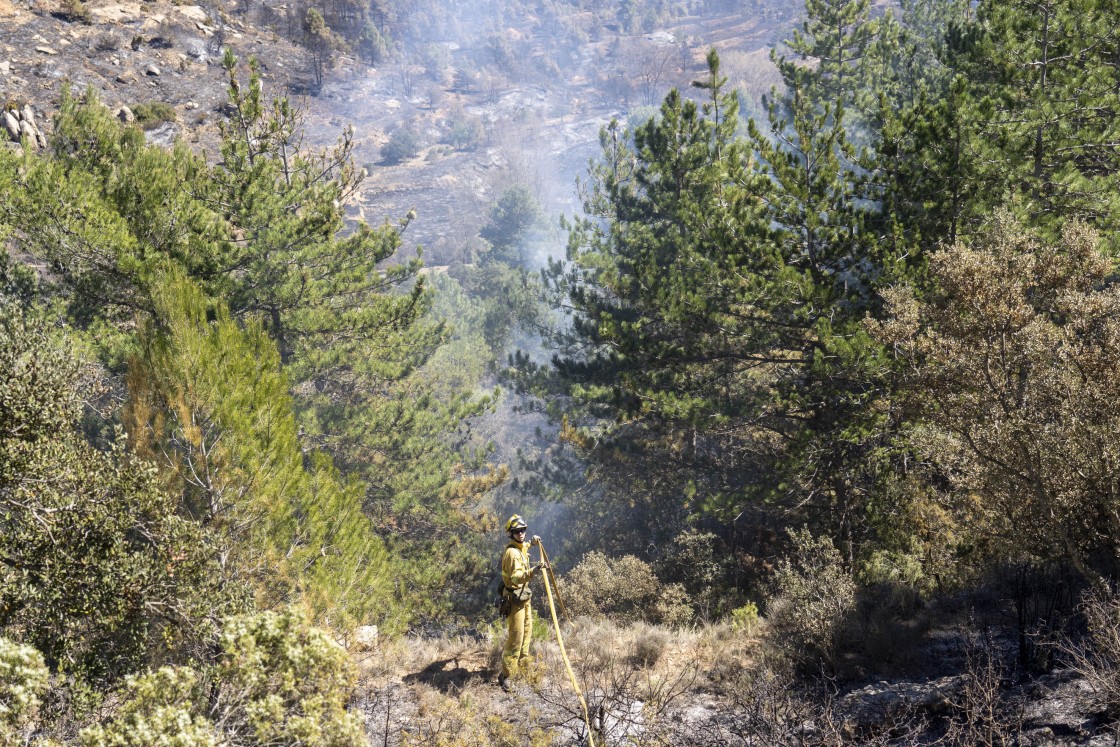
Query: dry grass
[{"x": 432, "y": 692}]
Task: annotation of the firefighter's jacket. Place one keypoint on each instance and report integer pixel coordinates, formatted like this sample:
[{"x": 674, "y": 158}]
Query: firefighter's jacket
[{"x": 516, "y": 570}]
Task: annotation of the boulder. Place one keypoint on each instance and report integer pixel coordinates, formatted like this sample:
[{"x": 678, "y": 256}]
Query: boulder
[
  {"x": 125, "y": 114},
  {"x": 27, "y": 114},
  {"x": 365, "y": 638},
  {"x": 11, "y": 125},
  {"x": 152, "y": 70},
  {"x": 5, "y": 67},
  {"x": 28, "y": 130}
]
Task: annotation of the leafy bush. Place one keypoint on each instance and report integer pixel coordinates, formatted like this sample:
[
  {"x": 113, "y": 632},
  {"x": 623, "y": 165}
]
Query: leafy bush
[
  {"x": 286, "y": 683},
  {"x": 624, "y": 589},
  {"x": 466, "y": 132},
  {"x": 403, "y": 144},
  {"x": 23, "y": 677},
  {"x": 701, "y": 563},
  {"x": 813, "y": 593},
  {"x": 102, "y": 536},
  {"x": 278, "y": 682},
  {"x": 75, "y": 11},
  {"x": 157, "y": 710},
  {"x": 743, "y": 619},
  {"x": 153, "y": 113}
]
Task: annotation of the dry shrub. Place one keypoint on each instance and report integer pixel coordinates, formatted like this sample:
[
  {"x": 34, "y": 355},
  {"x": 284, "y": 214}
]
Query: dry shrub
[
  {"x": 725, "y": 653},
  {"x": 469, "y": 720},
  {"x": 649, "y": 646},
  {"x": 981, "y": 714},
  {"x": 813, "y": 594},
  {"x": 625, "y": 589},
  {"x": 1096, "y": 657},
  {"x": 771, "y": 706},
  {"x": 108, "y": 42}
]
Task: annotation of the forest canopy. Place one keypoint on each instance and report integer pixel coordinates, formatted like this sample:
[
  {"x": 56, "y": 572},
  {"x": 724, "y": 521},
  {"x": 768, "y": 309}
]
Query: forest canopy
[{"x": 868, "y": 338}]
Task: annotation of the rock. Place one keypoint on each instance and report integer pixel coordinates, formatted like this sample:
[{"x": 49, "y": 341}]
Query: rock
[
  {"x": 190, "y": 106},
  {"x": 27, "y": 130},
  {"x": 28, "y": 115},
  {"x": 194, "y": 13},
  {"x": 365, "y": 638},
  {"x": 151, "y": 70},
  {"x": 891, "y": 703},
  {"x": 41, "y": 139},
  {"x": 11, "y": 124},
  {"x": 163, "y": 136},
  {"x": 5, "y": 67},
  {"x": 126, "y": 78},
  {"x": 15, "y": 148},
  {"x": 46, "y": 50},
  {"x": 125, "y": 114}
]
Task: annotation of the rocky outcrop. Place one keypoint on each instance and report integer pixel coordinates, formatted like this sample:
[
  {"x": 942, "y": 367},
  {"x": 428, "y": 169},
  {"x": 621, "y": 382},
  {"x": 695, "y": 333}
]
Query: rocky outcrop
[{"x": 19, "y": 125}]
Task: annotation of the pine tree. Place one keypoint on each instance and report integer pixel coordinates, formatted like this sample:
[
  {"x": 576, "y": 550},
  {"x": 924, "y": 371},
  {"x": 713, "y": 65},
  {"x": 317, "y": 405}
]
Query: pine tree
[{"x": 669, "y": 282}]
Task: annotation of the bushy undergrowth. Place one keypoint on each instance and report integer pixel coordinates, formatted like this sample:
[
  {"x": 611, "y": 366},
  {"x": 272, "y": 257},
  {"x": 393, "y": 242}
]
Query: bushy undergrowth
[
  {"x": 624, "y": 589},
  {"x": 277, "y": 682},
  {"x": 23, "y": 679},
  {"x": 813, "y": 593}
]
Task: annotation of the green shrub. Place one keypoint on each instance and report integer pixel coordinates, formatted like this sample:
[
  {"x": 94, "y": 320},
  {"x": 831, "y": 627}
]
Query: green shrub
[
  {"x": 159, "y": 708},
  {"x": 813, "y": 594},
  {"x": 153, "y": 113},
  {"x": 23, "y": 677},
  {"x": 700, "y": 562},
  {"x": 743, "y": 619},
  {"x": 624, "y": 589},
  {"x": 403, "y": 144},
  {"x": 286, "y": 683},
  {"x": 466, "y": 132},
  {"x": 75, "y": 11},
  {"x": 278, "y": 682}
]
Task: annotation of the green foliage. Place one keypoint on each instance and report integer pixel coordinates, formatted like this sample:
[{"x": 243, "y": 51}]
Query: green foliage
[
  {"x": 744, "y": 619},
  {"x": 97, "y": 571},
  {"x": 157, "y": 709},
  {"x": 212, "y": 397},
  {"x": 277, "y": 682},
  {"x": 372, "y": 45},
  {"x": 499, "y": 279},
  {"x": 23, "y": 679},
  {"x": 466, "y": 132},
  {"x": 812, "y": 595},
  {"x": 321, "y": 42},
  {"x": 403, "y": 144},
  {"x": 145, "y": 238},
  {"x": 514, "y": 214},
  {"x": 286, "y": 684},
  {"x": 1009, "y": 370},
  {"x": 623, "y": 589},
  {"x": 153, "y": 113},
  {"x": 701, "y": 563},
  {"x": 76, "y": 11}
]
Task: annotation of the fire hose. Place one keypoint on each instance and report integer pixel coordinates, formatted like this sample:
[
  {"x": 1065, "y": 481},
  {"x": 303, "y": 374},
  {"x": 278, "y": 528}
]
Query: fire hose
[{"x": 560, "y": 639}]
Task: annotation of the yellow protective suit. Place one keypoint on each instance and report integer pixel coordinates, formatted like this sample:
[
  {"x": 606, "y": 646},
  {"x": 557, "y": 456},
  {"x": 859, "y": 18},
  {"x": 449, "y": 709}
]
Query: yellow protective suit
[{"x": 516, "y": 572}]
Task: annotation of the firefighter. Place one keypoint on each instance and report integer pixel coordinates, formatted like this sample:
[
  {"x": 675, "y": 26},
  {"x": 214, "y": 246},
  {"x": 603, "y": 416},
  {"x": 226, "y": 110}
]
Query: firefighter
[{"x": 516, "y": 599}]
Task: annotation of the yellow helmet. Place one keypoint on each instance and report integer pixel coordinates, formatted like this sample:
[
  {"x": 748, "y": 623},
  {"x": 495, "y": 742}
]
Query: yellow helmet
[{"x": 515, "y": 522}]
